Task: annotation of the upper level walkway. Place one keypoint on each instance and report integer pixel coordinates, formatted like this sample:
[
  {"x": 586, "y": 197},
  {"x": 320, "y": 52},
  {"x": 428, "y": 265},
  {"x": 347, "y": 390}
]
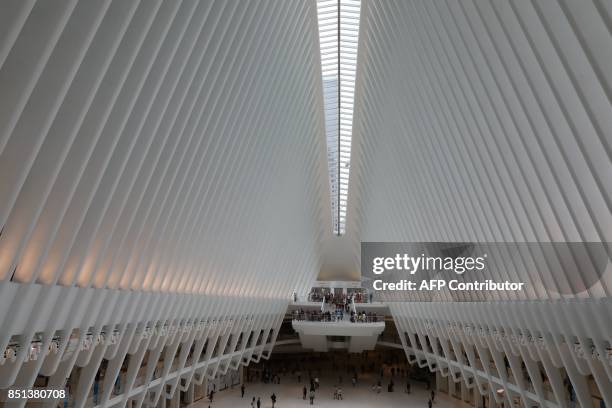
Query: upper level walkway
[{"x": 322, "y": 331}]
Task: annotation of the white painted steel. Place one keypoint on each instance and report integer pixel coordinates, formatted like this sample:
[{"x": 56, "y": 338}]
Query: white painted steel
[
  {"x": 491, "y": 121},
  {"x": 163, "y": 184}
]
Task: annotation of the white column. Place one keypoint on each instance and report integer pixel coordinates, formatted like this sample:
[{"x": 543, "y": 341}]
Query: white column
[
  {"x": 451, "y": 386},
  {"x": 465, "y": 394},
  {"x": 175, "y": 402},
  {"x": 190, "y": 393}
]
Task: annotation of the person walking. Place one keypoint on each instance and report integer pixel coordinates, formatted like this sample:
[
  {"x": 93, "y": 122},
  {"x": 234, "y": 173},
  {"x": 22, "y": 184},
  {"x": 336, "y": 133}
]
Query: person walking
[
  {"x": 312, "y": 397},
  {"x": 253, "y": 403},
  {"x": 273, "y": 398},
  {"x": 242, "y": 391},
  {"x": 429, "y": 403},
  {"x": 304, "y": 391},
  {"x": 259, "y": 403},
  {"x": 211, "y": 395}
]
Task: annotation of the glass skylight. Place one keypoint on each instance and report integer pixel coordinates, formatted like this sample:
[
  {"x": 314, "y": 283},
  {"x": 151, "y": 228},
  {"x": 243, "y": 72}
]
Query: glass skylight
[{"x": 338, "y": 34}]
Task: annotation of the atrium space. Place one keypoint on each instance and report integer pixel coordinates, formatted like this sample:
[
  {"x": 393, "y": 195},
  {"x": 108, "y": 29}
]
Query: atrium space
[{"x": 201, "y": 196}]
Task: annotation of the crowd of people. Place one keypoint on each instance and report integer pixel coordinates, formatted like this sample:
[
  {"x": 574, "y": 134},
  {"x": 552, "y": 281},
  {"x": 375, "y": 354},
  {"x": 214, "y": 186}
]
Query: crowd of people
[
  {"x": 385, "y": 370},
  {"x": 339, "y": 299},
  {"x": 337, "y": 315},
  {"x": 314, "y": 385},
  {"x": 363, "y": 317}
]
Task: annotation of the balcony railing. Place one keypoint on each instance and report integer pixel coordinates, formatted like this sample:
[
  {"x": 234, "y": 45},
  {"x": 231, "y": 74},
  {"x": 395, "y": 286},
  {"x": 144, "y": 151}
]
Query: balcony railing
[{"x": 335, "y": 317}]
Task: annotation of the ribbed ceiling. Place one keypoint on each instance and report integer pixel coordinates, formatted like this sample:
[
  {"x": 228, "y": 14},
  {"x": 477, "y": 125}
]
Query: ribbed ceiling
[
  {"x": 164, "y": 146},
  {"x": 152, "y": 152},
  {"x": 484, "y": 121}
]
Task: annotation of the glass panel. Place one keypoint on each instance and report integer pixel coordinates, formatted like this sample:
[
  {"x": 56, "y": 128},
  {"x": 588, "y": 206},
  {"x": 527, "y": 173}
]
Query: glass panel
[{"x": 338, "y": 30}]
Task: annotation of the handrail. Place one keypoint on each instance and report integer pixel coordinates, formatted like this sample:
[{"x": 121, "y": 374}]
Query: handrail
[{"x": 333, "y": 318}]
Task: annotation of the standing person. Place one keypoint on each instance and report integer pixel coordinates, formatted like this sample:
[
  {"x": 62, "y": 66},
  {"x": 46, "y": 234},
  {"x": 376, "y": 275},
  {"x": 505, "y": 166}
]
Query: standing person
[
  {"x": 354, "y": 380},
  {"x": 96, "y": 388},
  {"x": 253, "y": 403},
  {"x": 429, "y": 403},
  {"x": 66, "y": 400},
  {"x": 211, "y": 395},
  {"x": 433, "y": 396},
  {"x": 259, "y": 403},
  {"x": 312, "y": 396},
  {"x": 340, "y": 393},
  {"x": 273, "y": 398},
  {"x": 304, "y": 391},
  {"x": 242, "y": 391}
]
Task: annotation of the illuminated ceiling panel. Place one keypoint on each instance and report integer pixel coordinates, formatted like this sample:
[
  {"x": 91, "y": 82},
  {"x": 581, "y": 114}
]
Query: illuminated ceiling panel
[{"x": 338, "y": 34}]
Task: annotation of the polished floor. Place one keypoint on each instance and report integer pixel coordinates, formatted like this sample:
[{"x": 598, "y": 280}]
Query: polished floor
[{"x": 289, "y": 395}]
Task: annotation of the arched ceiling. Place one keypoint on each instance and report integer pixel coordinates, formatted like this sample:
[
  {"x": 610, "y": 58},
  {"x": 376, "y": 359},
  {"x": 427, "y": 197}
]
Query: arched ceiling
[
  {"x": 484, "y": 121},
  {"x": 162, "y": 145}
]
